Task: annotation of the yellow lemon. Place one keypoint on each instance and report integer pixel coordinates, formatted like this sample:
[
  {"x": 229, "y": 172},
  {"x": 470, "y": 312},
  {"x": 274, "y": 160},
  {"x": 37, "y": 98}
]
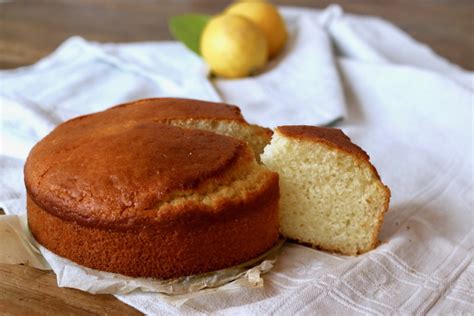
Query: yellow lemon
[
  {"x": 233, "y": 46},
  {"x": 266, "y": 16}
]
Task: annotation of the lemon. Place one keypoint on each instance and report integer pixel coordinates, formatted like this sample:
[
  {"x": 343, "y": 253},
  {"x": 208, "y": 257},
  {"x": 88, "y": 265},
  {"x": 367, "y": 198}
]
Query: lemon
[
  {"x": 233, "y": 46},
  {"x": 266, "y": 16}
]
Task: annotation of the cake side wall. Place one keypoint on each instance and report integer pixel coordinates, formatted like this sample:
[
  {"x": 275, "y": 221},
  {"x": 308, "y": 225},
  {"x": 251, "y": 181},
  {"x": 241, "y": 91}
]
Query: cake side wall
[{"x": 194, "y": 246}]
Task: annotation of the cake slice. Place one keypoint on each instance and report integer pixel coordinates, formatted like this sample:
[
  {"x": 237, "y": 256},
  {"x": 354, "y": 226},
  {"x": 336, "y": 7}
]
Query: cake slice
[{"x": 332, "y": 197}]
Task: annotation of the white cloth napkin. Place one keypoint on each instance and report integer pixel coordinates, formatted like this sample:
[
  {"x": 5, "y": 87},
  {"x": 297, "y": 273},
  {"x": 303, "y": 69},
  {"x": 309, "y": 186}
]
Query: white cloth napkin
[{"x": 409, "y": 108}]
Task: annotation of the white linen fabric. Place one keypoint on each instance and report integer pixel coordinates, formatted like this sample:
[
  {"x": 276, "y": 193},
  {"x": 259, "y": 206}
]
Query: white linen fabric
[{"x": 410, "y": 109}]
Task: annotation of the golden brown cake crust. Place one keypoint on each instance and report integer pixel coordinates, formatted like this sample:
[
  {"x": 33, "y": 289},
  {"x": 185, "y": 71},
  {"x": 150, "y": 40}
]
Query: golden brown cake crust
[
  {"x": 333, "y": 137},
  {"x": 169, "y": 109},
  {"x": 173, "y": 108},
  {"x": 96, "y": 185},
  {"x": 116, "y": 176}
]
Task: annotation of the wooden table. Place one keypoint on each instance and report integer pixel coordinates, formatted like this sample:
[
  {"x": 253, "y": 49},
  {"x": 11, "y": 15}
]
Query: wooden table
[{"x": 32, "y": 29}]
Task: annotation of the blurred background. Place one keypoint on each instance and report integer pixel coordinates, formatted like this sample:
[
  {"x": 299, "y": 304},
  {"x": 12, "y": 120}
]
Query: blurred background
[{"x": 31, "y": 29}]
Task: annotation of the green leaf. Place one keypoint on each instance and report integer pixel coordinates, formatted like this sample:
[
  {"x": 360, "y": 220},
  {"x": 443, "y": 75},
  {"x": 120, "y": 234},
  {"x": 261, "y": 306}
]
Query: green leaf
[{"x": 187, "y": 28}]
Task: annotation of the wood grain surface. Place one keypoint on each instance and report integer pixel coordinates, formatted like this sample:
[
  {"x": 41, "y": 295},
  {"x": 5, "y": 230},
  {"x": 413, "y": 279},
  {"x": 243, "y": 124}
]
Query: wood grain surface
[
  {"x": 32, "y": 29},
  {"x": 28, "y": 291}
]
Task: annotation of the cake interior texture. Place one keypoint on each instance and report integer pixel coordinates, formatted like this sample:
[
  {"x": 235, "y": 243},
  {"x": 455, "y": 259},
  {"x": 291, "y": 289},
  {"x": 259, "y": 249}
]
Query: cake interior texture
[{"x": 330, "y": 198}]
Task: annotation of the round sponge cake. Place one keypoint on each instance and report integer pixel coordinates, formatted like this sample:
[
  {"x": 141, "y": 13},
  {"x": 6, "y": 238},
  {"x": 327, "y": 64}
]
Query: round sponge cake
[{"x": 132, "y": 195}]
